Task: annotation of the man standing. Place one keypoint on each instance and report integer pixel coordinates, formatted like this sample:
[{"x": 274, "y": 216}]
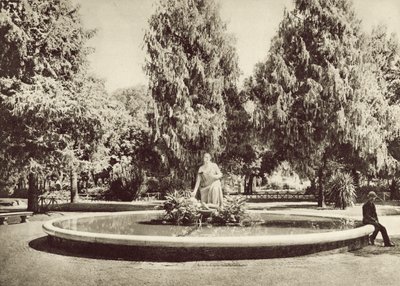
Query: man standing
[{"x": 370, "y": 217}]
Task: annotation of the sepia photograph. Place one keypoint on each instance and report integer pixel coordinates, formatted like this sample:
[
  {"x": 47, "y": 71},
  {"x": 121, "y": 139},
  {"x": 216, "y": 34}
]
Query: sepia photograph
[{"x": 199, "y": 142}]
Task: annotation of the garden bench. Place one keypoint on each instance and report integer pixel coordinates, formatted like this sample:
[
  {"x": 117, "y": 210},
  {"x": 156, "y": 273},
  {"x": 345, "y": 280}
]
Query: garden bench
[{"x": 23, "y": 215}]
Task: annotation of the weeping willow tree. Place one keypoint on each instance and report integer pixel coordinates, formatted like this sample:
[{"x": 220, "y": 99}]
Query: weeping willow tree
[
  {"x": 319, "y": 99},
  {"x": 191, "y": 63}
]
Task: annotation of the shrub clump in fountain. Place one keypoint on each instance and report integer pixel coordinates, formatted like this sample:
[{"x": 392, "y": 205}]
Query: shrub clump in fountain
[
  {"x": 181, "y": 210},
  {"x": 233, "y": 211}
]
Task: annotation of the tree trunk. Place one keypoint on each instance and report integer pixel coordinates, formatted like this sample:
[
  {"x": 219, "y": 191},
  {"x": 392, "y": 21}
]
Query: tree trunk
[
  {"x": 254, "y": 184},
  {"x": 356, "y": 178},
  {"x": 394, "y": 190},
  {"x": 20, "y": 185},
  {"x": 321, "y": 189},
  {"x": 241, "y": 186},
  {"x": 246, "y": 190},
  {"x": 33, "y": 193},
  {"x": 249, "y": 185},
  {"x": 142, "y": 187},
  {"x": 74, "y": 186}
]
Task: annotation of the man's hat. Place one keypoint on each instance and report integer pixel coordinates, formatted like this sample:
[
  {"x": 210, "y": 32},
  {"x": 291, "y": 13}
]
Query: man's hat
[{"x": 372, "y": 194}]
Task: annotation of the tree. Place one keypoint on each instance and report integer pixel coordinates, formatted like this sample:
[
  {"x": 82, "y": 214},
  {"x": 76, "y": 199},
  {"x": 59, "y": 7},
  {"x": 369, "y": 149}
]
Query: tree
[
  {"x": 48, "y": 106},
  {"x": 42, "y": 38},
  {"x": 319, "y": 100},
  {"x": 191, "y": 63},
  {"x": 132, "y": 145},
  {"x": 383, "y": 49},
  {"x": 239, "y": 156},
  {"x": 138, "y": 102}
]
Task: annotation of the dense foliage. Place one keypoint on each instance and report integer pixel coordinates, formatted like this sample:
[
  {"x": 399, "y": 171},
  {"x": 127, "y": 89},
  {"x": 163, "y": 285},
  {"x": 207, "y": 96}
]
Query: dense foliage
[
  {"x": 182, "y": 210},
  {"x": 319, "y": 98},
  {"x": 341, "y": 190},
  {"x": 395, "y": 189},
  {"x": 191, "y": 63},
  {"x": 42, "y": 55},
  {"x": 55, "y": 117},
  {"x": 232, "y": 211},
  {"x": 327, "y": 95}
]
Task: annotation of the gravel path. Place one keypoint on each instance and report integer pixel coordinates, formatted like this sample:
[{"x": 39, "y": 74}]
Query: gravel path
[{"x": 26, "y": 260}]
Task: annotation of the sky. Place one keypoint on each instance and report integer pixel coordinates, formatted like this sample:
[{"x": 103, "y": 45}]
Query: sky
[{"x": 121, "y": 24}]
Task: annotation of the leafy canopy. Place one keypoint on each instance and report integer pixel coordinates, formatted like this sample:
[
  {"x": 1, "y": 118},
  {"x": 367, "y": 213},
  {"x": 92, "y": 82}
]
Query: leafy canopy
[
  {"x": 191, "y": 62},
  {"x": 53, "y": 113},
  {"x": 319, "y": 98}
]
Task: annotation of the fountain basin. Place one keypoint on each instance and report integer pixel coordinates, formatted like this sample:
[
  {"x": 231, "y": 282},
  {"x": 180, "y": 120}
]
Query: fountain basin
[{"x": 104, "y": 235}]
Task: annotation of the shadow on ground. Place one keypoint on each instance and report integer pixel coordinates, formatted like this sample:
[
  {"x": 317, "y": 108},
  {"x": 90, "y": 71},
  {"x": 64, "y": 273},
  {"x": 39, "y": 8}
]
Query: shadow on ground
[
  {"x": 379, "y": 249},
  {"x": 43, "y": 244}
]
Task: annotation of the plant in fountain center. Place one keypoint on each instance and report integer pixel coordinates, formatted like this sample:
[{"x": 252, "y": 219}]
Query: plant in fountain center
[
  {"x": 181, "y": 210},
  {"x": 232, "y": 211}
]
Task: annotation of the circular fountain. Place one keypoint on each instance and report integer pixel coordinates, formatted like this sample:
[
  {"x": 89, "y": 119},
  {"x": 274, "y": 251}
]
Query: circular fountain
[{"x": 135, "y": 235}]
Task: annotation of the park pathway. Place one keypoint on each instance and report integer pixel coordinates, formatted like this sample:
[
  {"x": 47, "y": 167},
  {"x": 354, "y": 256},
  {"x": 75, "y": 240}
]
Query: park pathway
[{"x": 25, "y": 260}]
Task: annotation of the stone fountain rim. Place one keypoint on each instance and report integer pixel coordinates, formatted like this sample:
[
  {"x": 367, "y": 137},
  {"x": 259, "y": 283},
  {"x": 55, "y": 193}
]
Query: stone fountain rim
[{"x": 209, "y": 242}]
